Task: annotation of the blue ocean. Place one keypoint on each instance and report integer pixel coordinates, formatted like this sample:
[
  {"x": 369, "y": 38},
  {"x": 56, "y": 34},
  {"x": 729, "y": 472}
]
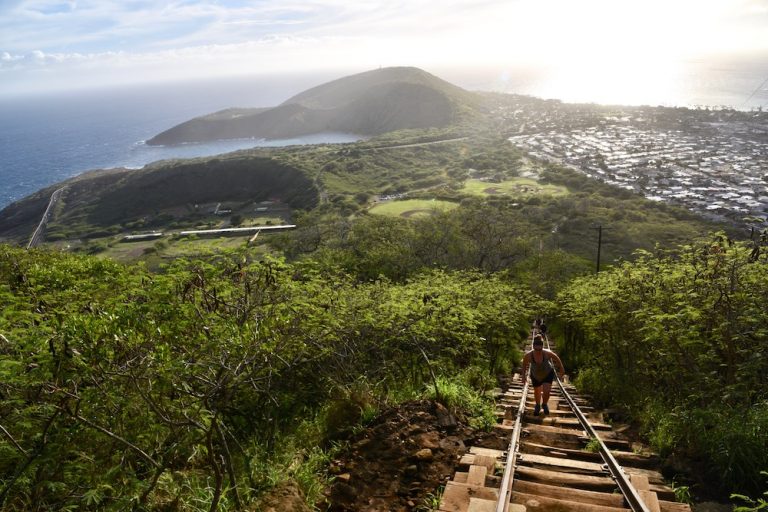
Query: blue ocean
[{"x": 46, "y": 139}]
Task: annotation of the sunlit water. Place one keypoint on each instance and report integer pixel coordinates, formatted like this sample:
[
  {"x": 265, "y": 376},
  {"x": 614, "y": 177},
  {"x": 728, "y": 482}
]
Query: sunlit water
[{"x": 735, "y": 83}]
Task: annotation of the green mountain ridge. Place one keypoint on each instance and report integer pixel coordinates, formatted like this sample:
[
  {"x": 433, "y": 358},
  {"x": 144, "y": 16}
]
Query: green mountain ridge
[{"x": 369, "y": 103}]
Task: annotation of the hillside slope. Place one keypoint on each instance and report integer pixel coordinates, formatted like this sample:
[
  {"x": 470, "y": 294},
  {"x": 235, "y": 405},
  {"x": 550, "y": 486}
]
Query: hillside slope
[
  {"x": 107, "y": 198},
  {"x": 369, "y": 103}
]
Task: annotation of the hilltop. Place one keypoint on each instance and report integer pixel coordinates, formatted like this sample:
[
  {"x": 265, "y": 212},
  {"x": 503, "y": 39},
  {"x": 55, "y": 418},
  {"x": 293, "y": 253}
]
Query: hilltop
[{"x": 369, "y": 103}]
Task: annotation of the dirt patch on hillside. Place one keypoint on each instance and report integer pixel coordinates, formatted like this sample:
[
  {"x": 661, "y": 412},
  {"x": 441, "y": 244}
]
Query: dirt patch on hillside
[
  {"x": 411, "y": 213},
  {"x": 284, "y": 498},
  {"x": 492, "y": 191},
  {"x": 400, "y": 462}
]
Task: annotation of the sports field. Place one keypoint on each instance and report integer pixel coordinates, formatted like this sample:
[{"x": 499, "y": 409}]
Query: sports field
[
  {"x": 518, "y": 187},
  {"x": 412, "y": 207}
]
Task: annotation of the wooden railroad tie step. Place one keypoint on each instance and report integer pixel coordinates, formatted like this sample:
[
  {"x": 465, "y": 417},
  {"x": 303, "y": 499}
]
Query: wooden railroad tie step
[
  {"x": 534, "y": 503},
  {"x": 457, "y": 496},
  {"x": 480, "y": 505},
  {"x": 624, "y": 458},
  {"x": 476, "y": 475},
  {"x": 574, "y": 466},
  {"x": 572, "y": 480},
  {"x": 490, "y": 462},
  {"x": 570, "y": 423},
  {"x": 571, "y": 437},
  {"x": 605, "y": 499}
]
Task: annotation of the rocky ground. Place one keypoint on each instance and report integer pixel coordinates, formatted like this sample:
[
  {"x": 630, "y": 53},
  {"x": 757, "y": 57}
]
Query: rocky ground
[{"x": 402, "y": 459}]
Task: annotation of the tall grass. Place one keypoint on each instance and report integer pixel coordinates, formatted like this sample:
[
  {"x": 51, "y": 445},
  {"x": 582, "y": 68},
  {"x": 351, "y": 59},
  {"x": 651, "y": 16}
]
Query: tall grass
[
  {"x": 457, "y": 395},
  {"x": 733, "y": 442}
]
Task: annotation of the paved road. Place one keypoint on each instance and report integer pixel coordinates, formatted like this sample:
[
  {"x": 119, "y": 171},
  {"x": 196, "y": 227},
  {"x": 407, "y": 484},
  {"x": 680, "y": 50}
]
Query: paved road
[
  {"x": 37, "y": 236},
  {"x": 415, "y": 144}
]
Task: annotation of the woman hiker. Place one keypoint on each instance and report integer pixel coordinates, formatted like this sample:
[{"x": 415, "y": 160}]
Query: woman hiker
[{"x": 542, "y": 374}]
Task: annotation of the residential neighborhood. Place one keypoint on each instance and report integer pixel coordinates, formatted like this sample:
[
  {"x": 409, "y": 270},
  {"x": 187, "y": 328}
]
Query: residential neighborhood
[{"x": 714, "y": 162}]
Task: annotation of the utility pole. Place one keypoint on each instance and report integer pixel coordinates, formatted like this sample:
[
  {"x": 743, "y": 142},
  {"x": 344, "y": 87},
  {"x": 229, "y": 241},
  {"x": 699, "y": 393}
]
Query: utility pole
[
  {"x": 599, "y": 229},
  {"x": 599, "y": 245}
]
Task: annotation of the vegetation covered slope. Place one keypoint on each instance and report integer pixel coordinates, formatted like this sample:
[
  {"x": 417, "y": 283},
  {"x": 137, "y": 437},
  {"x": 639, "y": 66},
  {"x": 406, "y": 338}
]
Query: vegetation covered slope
[
  {"x": 680, "y": 339},
  {"x": 124, "y": 389},
  {"x": 157, "y": 195},
  {"x": 369, "y": 103}
]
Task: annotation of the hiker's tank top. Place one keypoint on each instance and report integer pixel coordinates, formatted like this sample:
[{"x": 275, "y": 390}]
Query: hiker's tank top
[{"x": 539, "y": 371}]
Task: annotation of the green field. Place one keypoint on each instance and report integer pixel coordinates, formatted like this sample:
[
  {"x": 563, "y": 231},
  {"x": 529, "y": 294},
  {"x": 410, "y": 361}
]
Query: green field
[
  {"x": 518, "y": 187},
  {"x": 171, "y": 248},
  {"x": 412, "y": 207}
]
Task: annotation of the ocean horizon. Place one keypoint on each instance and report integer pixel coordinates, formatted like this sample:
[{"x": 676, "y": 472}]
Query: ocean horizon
[{"x": 45, "y": 139}]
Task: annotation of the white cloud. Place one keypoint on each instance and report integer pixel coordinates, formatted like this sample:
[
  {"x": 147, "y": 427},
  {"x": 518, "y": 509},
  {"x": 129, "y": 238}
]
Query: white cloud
[{"x": 144, "y": 39}]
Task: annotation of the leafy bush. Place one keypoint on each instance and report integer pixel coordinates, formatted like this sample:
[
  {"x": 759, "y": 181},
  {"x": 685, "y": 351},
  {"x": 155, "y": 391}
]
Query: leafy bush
[
  {"x": 749, "y": 504},
  {"x": 678, "y": 338},
  {"x": 151, "y": 389},
  {"x": 457, "y": 395}
]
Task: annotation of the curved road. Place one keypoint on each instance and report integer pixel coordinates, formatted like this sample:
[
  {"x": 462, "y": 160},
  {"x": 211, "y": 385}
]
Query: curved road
[{"x": 37, "y": 236}]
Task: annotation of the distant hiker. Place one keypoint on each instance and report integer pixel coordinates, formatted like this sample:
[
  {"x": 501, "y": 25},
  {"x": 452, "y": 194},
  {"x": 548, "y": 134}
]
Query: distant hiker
[
  {"x": 541, "y": 372},
  {"x": 540, "y": 327}
]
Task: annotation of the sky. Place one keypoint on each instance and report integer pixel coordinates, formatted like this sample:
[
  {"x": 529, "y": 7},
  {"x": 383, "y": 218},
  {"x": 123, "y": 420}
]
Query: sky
[{"x": 51, "y": 45}]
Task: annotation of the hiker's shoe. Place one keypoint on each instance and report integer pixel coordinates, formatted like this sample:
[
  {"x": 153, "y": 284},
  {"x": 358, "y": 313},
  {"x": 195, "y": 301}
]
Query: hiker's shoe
[
  {"x": 546, "y": 409},
  {"x": 536, "y": 410}
]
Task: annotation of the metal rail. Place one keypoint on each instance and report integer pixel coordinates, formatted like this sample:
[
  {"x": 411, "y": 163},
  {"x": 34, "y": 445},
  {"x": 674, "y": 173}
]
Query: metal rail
[
  {"x": 627, "y": 489},
  {"x": 505, "y": 491}
]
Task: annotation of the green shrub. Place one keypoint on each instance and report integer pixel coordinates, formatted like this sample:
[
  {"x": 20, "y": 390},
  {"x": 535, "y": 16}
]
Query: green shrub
[
  {"x": 459, "y": 396},
  {"x": 749, "y": 504},
  {"x": 732, "y": 441}
]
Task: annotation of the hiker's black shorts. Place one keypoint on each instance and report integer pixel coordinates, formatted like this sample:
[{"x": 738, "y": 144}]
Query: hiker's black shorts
[{"x": 546, "y": 380}]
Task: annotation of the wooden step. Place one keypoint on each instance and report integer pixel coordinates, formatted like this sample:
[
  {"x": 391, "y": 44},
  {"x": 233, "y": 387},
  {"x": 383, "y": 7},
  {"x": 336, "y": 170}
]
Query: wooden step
[
  {"x": 569, "y": 438},
  {"x": 545, "y": 503},
  {"x": 481, "y": 505},
  {"x": 470, "y": 459},
  {"x": 457, "y": 496},
  {"x": 476, "y": 475},
  {"x": 569, "y": 423},
  {"x": 654, "y": 477},
  {"x": 624, "y": 458},
  {"x": 651, "y": 500},
  {"x": 573, "y": 466},
  {"x": 673, "y": 506},
  {"x": 573, "y": 480},
  {"x": 488, "y": 452},
  {"x": 606, "y": 499}
]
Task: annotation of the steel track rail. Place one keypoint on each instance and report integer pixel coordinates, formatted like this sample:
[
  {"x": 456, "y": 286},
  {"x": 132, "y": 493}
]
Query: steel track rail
[
  {"x": 622, "y": 480},
  {"x": 505, "y": 491}
]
